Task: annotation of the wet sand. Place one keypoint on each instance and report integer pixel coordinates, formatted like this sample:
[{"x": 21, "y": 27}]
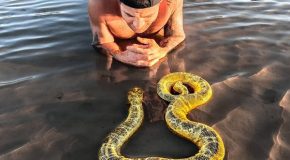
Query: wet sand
[{"x": 60, "y": 98}]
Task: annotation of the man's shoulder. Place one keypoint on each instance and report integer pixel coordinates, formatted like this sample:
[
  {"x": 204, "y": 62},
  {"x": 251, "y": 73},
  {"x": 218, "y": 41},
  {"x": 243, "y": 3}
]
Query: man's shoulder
[
  {"x": 179, "y": 2},
  {"x": 173, "y": 4}
]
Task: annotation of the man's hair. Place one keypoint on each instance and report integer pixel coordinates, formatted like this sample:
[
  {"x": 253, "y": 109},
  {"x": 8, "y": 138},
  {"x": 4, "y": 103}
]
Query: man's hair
[{"x": 140, "y": 3}]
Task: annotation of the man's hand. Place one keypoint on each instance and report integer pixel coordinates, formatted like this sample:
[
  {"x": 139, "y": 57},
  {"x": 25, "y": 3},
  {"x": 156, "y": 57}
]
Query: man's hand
[
  {"x": 148, "y": 53},
  {"x": 133, "y": 58}
]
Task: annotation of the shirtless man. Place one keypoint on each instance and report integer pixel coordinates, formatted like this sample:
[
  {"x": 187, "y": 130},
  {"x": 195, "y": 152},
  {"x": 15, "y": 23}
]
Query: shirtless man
[{"x": 137, "y": 19}]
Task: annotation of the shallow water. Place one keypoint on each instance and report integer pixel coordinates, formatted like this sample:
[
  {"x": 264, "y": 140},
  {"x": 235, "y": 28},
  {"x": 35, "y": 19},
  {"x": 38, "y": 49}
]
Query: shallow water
[{"x": 60, "y": 98}]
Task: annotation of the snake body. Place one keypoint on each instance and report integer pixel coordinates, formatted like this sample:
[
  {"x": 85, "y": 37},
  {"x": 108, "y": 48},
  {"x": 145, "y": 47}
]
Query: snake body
[{"x": 210, "y": 144}]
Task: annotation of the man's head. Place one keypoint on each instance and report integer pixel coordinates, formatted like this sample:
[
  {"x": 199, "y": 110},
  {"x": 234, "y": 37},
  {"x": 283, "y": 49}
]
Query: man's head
[{"x": 139, "y": 14}]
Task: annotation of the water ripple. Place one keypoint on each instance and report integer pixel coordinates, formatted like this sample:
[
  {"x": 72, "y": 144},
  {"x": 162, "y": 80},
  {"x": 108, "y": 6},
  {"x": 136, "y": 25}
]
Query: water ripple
[{"x": 6, "y": 83}]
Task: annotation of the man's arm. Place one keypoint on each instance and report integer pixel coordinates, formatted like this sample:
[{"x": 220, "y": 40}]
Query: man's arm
[
  {"x": 99, "y": 27},
  {"x": 174, "y": 32}
]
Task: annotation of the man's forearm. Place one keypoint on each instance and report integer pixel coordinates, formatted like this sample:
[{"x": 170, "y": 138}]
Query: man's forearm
[
  {"x": 171, "y": 42},
  {"x": 111, "y": 48}
]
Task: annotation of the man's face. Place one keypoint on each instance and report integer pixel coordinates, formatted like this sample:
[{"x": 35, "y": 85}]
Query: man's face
[{"x": 139, "y": 20}]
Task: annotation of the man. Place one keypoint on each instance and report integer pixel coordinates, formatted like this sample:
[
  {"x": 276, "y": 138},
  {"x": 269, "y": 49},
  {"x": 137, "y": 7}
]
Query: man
[{"x": 137, "y": 19}]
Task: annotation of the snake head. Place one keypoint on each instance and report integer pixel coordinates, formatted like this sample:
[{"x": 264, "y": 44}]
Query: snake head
[{"x": 135, "y": 95}]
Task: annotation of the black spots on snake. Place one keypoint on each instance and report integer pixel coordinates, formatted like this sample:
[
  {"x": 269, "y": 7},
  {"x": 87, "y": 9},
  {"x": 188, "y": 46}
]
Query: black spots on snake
[
  {"x": 173, "y": 118},
  {"x": 171, "y": 115},
  {"x": 213, "y": 147},
  {"x": 200, "y": 80},
  {"x": 201, "y": 157},
  {"x": 110, "y": 151},
  {"x": 106, "y": 151},
  {"x": 175, "y": 122},
  {"x": 113, "y": 158},
  {"x": 134, "y": 114},
  {"x": 197, "y": 128},
  {"x": 134, "y": 109},
  {"x": 204, "y": 89},
  {"x": 120, "y": 131},
  {"x": 114, "y": 138},
  {"x": 211, "y": 139},
  {"x": 103, "y": 157},
  {"x": 187, "y": 126},
  {"x": 207, "y": 133},
  {"x": 208, "y": 153},
  {"x": 127, "y": 123},
  {"x": 178, "y": 121},
  {"x": 170, "y": 98}
]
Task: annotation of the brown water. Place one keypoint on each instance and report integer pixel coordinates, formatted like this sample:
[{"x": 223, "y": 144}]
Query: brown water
[{"x": 60, "y": 98}]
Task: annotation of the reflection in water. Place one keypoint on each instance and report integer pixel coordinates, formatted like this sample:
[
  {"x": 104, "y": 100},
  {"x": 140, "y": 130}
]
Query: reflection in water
[
  {"x": 171, "y": 63},
  {"x": 60, "y": 98}
]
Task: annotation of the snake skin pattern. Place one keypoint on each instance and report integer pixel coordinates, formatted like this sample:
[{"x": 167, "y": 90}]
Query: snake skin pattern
[{"x": 211, "y": 146}]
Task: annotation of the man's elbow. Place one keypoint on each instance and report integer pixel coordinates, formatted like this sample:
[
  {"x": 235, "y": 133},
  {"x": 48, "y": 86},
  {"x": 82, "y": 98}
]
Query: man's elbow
[{"x": 181, "y": 37}]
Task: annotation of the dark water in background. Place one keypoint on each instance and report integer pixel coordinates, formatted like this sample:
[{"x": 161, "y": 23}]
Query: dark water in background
[{"x": 59, "y": 98}]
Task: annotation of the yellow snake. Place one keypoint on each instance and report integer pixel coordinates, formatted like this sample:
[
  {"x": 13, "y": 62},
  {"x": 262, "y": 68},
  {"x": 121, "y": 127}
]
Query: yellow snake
[{"x": 210, "y": 144}]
